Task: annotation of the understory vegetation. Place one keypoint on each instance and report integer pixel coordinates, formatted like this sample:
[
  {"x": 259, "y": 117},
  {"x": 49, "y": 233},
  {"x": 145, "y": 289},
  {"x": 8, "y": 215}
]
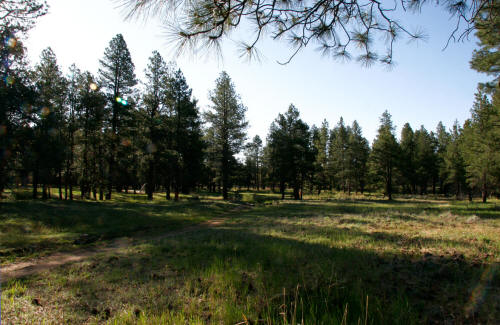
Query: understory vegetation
[{"x": 326, "y": 260}]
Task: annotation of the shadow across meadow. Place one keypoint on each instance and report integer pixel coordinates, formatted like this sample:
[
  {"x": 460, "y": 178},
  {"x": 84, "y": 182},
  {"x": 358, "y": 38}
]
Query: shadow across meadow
[{"x": 220, "y": 274}]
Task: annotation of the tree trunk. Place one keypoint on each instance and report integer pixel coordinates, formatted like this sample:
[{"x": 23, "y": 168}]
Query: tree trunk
[
  {"x": 388, "y": 185},
  {"x": 484, "y": 191},
  {"x": 60, "y": 185},
  {"x": 167, "y": 189},
  {"x": 35, "y": 183}
]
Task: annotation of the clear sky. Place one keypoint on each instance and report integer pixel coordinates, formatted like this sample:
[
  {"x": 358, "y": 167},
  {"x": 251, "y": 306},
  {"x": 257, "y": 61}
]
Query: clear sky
[{"x": 426, "y": 86}]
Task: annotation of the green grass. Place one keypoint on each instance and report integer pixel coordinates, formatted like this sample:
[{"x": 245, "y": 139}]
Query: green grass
[
  {"x": 330, "y": 261},
  {"x": 30, "y": 228}
]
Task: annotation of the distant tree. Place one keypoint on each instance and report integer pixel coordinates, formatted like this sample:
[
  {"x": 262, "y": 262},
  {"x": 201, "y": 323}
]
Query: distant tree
[
  {"x": 320, "y": 143},
  {"x": 454, "y": 161},
  {"x": 385, "y": 154},
  {"x": 425, "y": 159},
  {"x": 338, "y": 156},
  {"x": 155, "y": 110},
  {"x": 117, "y": 77},
  {"x": 184, "y": 129},
  {"x": 481, "y": 145},
  {"x": 227, "y": 124},
  {"x": 253, "y": 162},
  {"x": 358, "y": 153},
  {"x": 73, "y": 78},
  {"x": 291, "y": 153},
  {"x": 49, "y": 144},
  {"x": 91, "y": 103},
  {"x": 443, "y": 139},
  {"x": 212, "y": 161},
  {"x": 408, "y": 164}
]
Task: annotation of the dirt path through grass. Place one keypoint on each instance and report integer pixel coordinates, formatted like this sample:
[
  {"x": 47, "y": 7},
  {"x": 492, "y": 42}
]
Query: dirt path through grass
[{"x": 22, "y": 269}]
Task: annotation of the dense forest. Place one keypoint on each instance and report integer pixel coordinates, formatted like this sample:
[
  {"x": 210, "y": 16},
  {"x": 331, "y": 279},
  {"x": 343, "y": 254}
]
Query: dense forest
[{"x": 111, "y": 132}]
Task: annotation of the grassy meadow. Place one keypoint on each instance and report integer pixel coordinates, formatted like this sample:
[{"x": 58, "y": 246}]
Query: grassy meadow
[{"x": 328, "y": 260}]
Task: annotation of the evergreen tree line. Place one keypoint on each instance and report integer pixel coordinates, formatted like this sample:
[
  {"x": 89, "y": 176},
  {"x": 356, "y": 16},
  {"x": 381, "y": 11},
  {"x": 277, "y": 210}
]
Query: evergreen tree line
[{"x": 109, "y": 133}]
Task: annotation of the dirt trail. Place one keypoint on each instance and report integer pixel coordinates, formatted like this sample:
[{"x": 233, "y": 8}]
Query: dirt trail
[{"x": 22, "y": 269}]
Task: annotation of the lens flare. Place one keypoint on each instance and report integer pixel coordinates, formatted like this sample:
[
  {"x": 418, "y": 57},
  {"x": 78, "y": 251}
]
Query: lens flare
[
  {"x": 11, "y": 42},
  {"x": 121, "y": 101},
  {"x": 9, "y": 80},
  {"x": 126, "y": 142},
  {"x": 479, "y": 292},
  {"x": 93, "y": 86},
  {"x": 45, "y": 111}
]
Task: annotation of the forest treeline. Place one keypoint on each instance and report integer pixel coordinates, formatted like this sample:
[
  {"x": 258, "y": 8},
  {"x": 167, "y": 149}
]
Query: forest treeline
[{"x": 109, "y": 132}]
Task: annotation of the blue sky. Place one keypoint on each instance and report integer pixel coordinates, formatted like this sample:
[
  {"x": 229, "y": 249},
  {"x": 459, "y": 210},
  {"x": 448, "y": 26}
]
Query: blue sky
[{"x": 426, "y": 86}]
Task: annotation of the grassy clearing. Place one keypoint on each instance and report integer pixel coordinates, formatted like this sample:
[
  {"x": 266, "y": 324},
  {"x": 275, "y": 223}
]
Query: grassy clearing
[
  {"x": 313, "y": 262},
  {"x": 33, "y": 228}
]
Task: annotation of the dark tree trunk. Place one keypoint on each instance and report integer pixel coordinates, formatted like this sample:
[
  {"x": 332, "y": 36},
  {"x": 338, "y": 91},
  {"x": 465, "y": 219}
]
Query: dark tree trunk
[
  {"x": 296, "y": 192},
  {"x": 167, "y": 189},
  {"x": 388, "y": 185},
  {"x": 35, "y": 182},
  {"x": 60, "y": 185}
]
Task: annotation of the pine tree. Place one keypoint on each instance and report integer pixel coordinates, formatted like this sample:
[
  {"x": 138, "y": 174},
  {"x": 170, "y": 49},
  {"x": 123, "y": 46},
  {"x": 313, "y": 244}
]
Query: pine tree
[
  {"x": 338, "y": 156},
  {"x": 73, "y": 78},
  {"x": 227, "y": 125},
  {"x": 454, "y": 161},
  {"x": 320, "y": 143},
  {"x": 359, "y": 151},
  {"x": 91, "y": 118},
  {"x": 442, "y": 142},
  {"x": 154, "y": 104},
  {"x": 49, "y": 144},
  {"x": 17, "y": 97},
  {"x": 291, "y": 153},
  {"x": 487, "y": 58},
  {"x": 425, "y": 159},
  {"x": 481, "y": 145},
  {"x": 117, "y": 77},
  {"x": 385, "y": 154},
  {"x": 408, "y": 165},
  {"x": 185, "y": 132},
  {"x": 253, "y": 162}
]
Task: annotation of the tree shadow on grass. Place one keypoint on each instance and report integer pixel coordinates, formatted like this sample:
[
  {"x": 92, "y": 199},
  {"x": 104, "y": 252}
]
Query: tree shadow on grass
[
  {"x": 230, "y": 274},
  {"x": 29, "y": 227}
]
